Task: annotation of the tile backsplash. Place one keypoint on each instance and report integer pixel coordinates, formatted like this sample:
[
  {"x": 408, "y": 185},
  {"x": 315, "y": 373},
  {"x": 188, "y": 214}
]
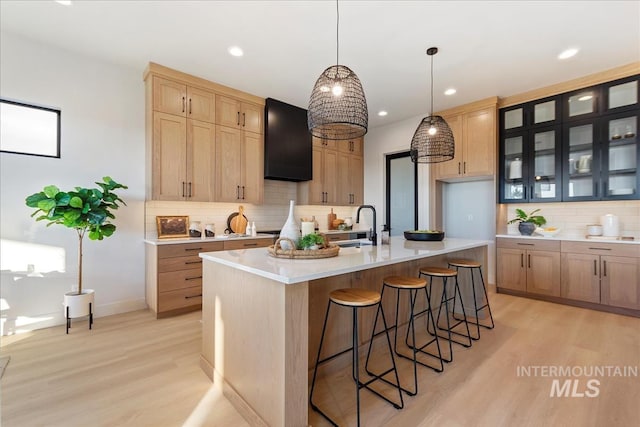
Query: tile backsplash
[
  {"x": 269, "y": 216},
  {"x": 573, "y": 217}
]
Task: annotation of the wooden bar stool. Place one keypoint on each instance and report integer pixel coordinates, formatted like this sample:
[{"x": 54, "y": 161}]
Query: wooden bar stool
[
  {"x": 472, "y": 265},
  {"x": 444, "y": 274},
  {"x": 413, "y": 285},
  {"x": 356, "y": 298}
]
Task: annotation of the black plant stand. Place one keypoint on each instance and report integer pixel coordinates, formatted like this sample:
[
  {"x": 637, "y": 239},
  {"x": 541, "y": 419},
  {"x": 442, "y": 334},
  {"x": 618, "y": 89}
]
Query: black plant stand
[{"x": 90, "y": 318}]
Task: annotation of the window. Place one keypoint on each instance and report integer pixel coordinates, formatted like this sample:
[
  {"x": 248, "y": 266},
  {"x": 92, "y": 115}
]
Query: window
[{"x": 29, "y": 129}]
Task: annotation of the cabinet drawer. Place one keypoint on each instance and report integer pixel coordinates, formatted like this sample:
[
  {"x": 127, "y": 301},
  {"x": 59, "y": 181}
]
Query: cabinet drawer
[
  {"x": 334, "y": 237},
  {"x": 601, "y": 248},
  {"x": 180, "y": 298},
  {"x": 182, "y": 279},
  {"x": 246, "y": 244},
  {"x": 186, "y": 249},
  {"x": 179, "y": 263},
  {"x": 529, "y": 244}
]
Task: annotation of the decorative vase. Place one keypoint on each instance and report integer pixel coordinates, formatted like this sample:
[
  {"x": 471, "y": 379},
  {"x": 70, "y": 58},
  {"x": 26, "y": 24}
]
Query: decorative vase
[
  {"x": 290, "y": 229},
  {"x": 526, "y": 228}
]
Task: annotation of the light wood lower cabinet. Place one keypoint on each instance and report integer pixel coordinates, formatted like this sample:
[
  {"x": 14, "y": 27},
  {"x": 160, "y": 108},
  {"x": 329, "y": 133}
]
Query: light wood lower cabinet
[
  {"x": 174, "y": 273},
  {"x": 527, "y": 265},
  {"x": 603, "y": 273}
]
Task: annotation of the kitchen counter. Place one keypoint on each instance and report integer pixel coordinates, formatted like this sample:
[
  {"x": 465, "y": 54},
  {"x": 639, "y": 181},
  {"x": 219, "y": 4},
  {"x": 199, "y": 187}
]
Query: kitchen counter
[
  {"x": 206, "y": 239},
  {"x": 262, "y": 316},
  {"x": 571, "y": 238}
]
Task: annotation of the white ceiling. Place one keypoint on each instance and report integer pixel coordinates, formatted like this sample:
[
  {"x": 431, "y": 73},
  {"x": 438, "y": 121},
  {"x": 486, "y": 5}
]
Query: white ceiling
[{"x": 486, "y": 48}]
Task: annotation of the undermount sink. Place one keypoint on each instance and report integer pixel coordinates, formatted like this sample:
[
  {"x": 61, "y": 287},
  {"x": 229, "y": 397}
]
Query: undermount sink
[{"x": 353, "y": 243}]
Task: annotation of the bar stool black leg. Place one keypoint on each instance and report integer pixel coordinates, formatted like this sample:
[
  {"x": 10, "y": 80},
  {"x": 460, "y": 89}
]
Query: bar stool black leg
[
  {"x": 475, "y": 302},
  {"x": 429, "y": 316},
  {"x": 487, "y": 305},
  {"x": 315, "y": 369}
]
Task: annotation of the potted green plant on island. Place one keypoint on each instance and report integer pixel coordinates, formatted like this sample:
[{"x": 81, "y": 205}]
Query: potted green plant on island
[
  {"x": 311, "y": 241},
  {"x": 528, "y": 222},
  {"x": 86, "y": 210}
]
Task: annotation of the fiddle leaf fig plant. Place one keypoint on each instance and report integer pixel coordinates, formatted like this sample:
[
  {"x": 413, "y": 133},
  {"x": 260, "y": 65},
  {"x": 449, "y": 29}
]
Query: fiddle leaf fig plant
[
  {"x": 83, "y": 209},
  {"x": 522, "y": 216}
]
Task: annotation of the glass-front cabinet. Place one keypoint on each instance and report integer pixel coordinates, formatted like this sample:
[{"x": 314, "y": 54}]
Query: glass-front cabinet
[
  {"x": 530, "y": 152},
  {"x": 581, "y": 145}
]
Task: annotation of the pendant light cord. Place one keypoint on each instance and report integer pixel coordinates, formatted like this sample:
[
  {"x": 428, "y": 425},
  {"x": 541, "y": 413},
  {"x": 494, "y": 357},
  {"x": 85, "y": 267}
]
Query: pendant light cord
[
  {"x": 337, "y": 35},
  {"x": 431, "y": 111}
]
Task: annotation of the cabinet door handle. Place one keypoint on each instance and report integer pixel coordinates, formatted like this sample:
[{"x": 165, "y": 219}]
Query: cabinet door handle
[
  {"x": 246, "y": 245},
  {"x": 529, "y": 260},
  {"x": 243, "y": 192},
  {"x": 238, "y": 119},
  {"x": 524, "y": 192},
  {"x": 183, "y": 188},
  {"x": 526, "y": 244},
  {"x": 193, "y": 296},
  {"x": 595, "y": 267},
  {"x": 464, "y": 167},
  {"x": 604, "y": 268},
  {"x": 521, "y": 260},
  {"x": 189, "y": 106},
  {"x": 193, "y": 278},
  {"x": 458, "y": 168},
  {"x": 193, "y": 249},
  {"x": 237, "y": 191},
  {"x": 193, "y": 262},
  {"x": 244, "y": 119},
  {"x": 189, "y": 190},
  {"x": 600, "y": 249},
  {"x": 183, "y": 103}
]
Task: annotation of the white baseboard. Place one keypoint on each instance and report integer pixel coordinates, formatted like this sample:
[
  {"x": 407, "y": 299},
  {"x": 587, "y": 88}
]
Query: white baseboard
[{"x": 12, "y": 326}]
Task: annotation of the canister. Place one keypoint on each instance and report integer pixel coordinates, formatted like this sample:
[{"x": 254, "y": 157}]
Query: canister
[{"x": 610, "y": 225}]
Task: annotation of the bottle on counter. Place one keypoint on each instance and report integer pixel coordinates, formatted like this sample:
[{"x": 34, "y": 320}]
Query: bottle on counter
[
  {"x": 254, "y": 232},
  {"x": 385, "y": 235},
  {"x": 315, "y": 223},
  {"x": 249, "y": 230}
]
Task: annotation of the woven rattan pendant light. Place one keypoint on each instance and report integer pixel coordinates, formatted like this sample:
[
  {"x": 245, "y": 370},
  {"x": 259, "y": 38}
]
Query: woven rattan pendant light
[
  {"x": 433, "y": 140},
  {"x": 337, "y": 106}
]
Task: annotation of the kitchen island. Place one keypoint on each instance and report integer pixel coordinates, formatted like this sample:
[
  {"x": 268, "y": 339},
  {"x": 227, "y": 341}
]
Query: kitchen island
[{"x": 262, "y": 316}]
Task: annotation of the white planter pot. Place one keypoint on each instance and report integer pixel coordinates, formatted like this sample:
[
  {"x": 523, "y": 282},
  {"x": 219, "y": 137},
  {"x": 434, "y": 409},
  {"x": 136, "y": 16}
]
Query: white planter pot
[{"x": 79, "y": 303}]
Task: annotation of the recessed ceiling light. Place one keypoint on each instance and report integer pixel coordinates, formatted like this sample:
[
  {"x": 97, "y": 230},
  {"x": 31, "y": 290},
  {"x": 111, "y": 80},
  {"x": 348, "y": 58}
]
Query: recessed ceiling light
[
  {"x": 568, "y": 53},
  {"x": 64, "y": 2},
  {"x": 382, "y": 113},
  {"x": 450, "y": 91},
  {"x": 235, "y": 51}
]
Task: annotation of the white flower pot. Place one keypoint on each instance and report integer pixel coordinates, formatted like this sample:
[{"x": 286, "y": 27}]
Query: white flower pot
[{"x": 79, "y": 303}]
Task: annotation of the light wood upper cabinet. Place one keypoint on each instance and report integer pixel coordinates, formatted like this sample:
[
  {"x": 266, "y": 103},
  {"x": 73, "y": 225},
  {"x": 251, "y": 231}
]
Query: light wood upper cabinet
[
  {"x": 353, "y": 146},
  {"x": 239, "y": 166},
  {"x": 183, "y": 152},
  {"x": 179, "y": 99},
  {"x": 323, "y": 188},
  {"x": 169, "y": 156},
  {"x": 241, "y": 115},
  {"x": 324, "y": 143},
  {"x": 474, "y": 133},
  {"x": 350, "y": 179}
]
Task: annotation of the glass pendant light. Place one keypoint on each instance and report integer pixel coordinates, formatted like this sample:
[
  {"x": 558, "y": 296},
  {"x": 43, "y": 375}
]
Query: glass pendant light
[
  {"x": 432, "y": 141},
  {"x": 337, "y": 106}
]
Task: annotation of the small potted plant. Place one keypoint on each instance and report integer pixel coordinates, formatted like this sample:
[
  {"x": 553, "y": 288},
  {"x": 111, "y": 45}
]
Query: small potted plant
[
  {"x": 528, "y": 222},
  {"x": 311, "y": 241},
  {"x": 84, "y": 210}
]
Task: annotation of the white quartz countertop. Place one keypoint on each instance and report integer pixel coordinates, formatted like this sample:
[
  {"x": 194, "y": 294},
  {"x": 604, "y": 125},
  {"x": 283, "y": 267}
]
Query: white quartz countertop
[
  {"x": 221, "y": 238},
  {"x": 560, "y": 236},
  {"x": 258, "y": 261}
]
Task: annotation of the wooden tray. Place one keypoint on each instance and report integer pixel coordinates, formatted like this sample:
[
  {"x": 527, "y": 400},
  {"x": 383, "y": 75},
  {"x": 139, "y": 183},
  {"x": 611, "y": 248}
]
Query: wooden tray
[{"x": 276, "y": 250}]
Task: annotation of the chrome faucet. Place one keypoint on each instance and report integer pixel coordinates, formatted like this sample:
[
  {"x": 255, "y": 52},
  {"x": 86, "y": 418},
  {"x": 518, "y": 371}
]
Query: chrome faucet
[{"x": 373, "y": 237}]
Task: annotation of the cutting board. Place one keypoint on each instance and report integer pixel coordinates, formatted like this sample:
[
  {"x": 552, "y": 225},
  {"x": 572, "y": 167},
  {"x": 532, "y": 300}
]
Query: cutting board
[{"x": 239, "y": 222}]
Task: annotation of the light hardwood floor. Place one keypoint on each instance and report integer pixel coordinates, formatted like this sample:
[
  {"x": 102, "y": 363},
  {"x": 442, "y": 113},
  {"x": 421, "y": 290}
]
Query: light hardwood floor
[{"x": 134, "y": 370}]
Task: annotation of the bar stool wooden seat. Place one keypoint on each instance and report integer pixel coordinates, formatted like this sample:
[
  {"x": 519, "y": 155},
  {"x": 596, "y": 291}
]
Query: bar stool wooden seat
[
  {"x": 356, "y": 298},
  {"x": 413, "y": 285},
  {"x": 472, "y": 265},
  {"x": 445, "y": 274}
]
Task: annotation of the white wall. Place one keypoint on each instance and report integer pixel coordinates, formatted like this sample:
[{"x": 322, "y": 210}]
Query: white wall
[
  {"x": 102, "y": 134},
  {"x": 393, "y": 138}
]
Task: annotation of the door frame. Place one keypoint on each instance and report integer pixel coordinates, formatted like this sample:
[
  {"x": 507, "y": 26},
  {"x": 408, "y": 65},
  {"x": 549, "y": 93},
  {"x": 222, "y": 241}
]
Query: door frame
[{"x": 388, "y": 158}]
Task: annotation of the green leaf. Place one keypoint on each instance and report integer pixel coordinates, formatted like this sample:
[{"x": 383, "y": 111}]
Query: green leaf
[
  {"x": 72, "y": 215},
  {"x": 95, "y": 235},
  {"x": 51, "y": 191},
  {"x": 46, "y": 204},
  {"x": 108, "y": 229},
  {"x": 76, "y": 202},
  {"x": 63, "y": 199},
  {"x": 33, "y": 200}
]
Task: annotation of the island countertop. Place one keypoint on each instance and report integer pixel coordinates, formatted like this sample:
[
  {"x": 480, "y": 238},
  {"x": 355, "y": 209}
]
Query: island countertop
[{"x": 351, "y": 259}]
